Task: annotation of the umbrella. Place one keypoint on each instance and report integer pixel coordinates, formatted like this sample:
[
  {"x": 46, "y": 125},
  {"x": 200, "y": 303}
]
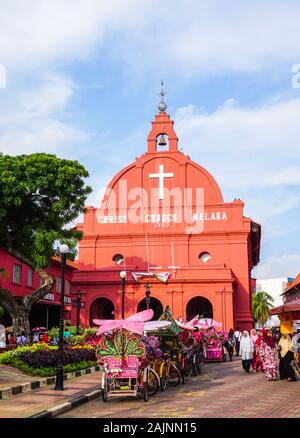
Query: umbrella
[
  {"x": 39, "y": 329},
  {"x": 134, "y": 323},
  {"x": 190, "y": 325},
  {"x": 9, "y": 329},
  {"x": 209, "y": 322},
  {"x": 185, "y": 325},
  {"x": 155, "y": 326}
]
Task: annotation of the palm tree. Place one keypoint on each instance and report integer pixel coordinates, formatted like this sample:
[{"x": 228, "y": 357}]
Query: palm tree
[{"x": 261, "y": 305}]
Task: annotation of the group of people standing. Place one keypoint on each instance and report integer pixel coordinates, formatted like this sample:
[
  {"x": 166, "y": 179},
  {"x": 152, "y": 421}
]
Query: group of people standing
[{"x": 277, "y": 357}]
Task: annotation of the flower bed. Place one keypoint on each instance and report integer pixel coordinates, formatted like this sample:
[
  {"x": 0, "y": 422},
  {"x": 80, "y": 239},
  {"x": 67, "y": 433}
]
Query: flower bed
[{"x": 41, "y": 360}]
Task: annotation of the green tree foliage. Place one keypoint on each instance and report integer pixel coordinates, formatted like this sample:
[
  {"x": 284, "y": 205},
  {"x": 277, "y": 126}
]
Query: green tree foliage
[
  {"x": 40, "y": 197},
  {"x": 261, "y": 305}
]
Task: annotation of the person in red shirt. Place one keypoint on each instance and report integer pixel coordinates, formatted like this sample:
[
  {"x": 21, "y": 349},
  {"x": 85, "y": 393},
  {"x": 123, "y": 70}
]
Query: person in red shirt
[{"x": 45, "y": 338}]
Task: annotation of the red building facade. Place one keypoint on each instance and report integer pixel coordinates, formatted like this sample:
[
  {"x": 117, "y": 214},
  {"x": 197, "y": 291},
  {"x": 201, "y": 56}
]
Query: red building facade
[
  {"x": 163, "y": 220},
  {"x": 20, "y": 280}
]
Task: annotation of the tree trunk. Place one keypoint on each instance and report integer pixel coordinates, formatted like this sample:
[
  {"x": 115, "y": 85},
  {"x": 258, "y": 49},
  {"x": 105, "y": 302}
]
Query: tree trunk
[
  {"x": 20, "y": 320},
  {"x": 19, "y": 312}
]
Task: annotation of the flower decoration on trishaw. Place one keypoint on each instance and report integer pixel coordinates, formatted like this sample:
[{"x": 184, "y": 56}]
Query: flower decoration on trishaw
[{"x": 139, "y": 355}]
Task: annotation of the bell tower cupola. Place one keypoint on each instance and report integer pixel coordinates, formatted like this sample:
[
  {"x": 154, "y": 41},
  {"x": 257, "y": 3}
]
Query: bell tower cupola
[{"x": 162, "y": 137}]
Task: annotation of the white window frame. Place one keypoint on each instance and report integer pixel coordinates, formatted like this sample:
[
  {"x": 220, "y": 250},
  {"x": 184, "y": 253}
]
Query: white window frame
[
  {"x": 17, "y": 273},
  {"x": 30, "y": 275}
]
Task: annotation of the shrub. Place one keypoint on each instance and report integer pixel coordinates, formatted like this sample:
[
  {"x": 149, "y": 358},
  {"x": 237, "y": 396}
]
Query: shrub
[
  {"x": 41, "y": 359},
  {"x": 53, "y": 333},
  {"x": 90, "y": 331},
  {"x": 49, "y": 358},
  {"x": 76, "y": 340},
  {"x": 51, "y": 371}
]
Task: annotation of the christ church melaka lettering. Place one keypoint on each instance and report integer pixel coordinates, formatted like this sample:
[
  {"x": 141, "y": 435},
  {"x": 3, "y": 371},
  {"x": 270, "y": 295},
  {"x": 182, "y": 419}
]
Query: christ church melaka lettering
[{"x": 166, "y": 218}]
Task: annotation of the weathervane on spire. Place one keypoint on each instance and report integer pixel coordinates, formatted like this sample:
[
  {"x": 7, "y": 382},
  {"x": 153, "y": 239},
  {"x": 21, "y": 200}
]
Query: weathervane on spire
[{"x": 162, "y": 106}]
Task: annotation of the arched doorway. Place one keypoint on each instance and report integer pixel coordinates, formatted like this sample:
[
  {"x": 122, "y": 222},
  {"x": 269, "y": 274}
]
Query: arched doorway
[
  {"x": 199, "y": 306},
  {"x": 101, "y": 308},
  {"x": 155, "y": 304}
]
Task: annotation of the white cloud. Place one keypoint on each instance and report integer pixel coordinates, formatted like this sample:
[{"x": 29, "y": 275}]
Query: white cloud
[
  {"x": 45, "y": 31},
  {"x": 191, "y": 36},
  {"x": 287, "y": 265},
  {"x": 32, "y": 121},
  {"x": 264, "y": 141},
  {"x": 254, "y": 154}
]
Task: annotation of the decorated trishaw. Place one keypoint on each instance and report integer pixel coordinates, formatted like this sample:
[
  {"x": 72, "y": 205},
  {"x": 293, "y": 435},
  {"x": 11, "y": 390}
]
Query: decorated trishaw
[
  {"x": 121, "y": 353},
  {"x": 192, "y": 342},
  {"x": 214, "y": 340}
]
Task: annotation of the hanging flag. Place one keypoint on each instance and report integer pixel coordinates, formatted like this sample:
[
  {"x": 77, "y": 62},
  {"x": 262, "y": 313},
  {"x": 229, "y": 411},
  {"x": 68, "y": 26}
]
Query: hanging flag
[{"x": 161, "y": 276}]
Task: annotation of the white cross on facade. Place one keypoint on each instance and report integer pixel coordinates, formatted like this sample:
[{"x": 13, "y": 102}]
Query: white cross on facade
[{"x": 161, "y": 175}]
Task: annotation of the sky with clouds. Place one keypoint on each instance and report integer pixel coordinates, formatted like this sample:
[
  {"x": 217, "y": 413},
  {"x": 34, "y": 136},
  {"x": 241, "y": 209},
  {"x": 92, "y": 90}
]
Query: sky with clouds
[{"x": 82, "y": 77}]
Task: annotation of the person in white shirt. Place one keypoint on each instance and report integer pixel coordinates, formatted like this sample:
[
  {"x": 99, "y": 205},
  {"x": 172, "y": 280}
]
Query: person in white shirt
[
  {"x": 2, "y": 336},
  {"x": 246, "y": 349},
  {"x": 237, "y": 336}
]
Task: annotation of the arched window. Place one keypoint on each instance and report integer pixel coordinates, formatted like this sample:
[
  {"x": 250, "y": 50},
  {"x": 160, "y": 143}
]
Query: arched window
[
  {"x": 204, "y": 257},
  {"x": 101, "y": 308},
  {"x": 118, "y": 258},
  {"x": 155, "y": 305},
  {"x": 199, "y": 306}
]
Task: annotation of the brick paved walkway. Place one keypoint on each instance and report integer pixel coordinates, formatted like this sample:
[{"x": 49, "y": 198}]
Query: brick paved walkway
[
  {"x": 10, "y": 376},
  {"x": 27, "y": 404},
  {"x": 223, "y": 390}
]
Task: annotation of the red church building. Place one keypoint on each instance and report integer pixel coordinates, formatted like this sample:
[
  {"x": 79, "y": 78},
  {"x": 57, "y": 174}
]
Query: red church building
[{"x": 164, "y": 222}]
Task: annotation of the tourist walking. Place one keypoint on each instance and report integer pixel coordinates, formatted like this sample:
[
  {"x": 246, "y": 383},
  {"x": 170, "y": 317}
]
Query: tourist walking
[
  {"x": 11, "y": 339},
  {"x": 285, "y": 347},
  {"x": 246, "y": 350},
  {"x": 22, "y": 340},
  {"x": 296, "y": 346},
  {"x": 36, "y": 338},
  {"x": 268, "y": 354},
  {"x": 2, "y": 336},
  {"x": 45, "y": 338},
  {"x": 230, "y": 343},
  {"x": 257, "y": 362},
  {"x": 237, "y": 335}
]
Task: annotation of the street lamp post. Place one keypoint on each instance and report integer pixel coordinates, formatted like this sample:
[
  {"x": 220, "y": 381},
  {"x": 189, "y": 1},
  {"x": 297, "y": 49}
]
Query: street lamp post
[
  {"x": 59, "y": 383},
  {"x": 123, "y": 278},
  {"x": 147, "y": 293},
  {"x": 78, "y": 306}
]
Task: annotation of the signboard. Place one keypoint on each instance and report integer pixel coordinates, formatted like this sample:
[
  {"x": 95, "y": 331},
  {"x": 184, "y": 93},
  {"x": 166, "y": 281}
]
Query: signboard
[{"x": 49, "y": 297}]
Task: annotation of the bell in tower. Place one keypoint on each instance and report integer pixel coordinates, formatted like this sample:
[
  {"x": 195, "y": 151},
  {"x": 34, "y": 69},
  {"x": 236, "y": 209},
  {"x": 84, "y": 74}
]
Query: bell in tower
[{"x": 162, "y": 141}]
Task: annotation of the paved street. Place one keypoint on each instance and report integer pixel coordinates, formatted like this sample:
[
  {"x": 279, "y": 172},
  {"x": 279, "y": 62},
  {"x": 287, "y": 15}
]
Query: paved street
[
  {"x": 31, "y": 403},
  {"x": 223, "y": 390}
]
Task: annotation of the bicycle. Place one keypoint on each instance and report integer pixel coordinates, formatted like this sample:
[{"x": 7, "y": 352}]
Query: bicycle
[
  {"x": 169, "y": 374},
  {"x": 185, "y": 361},
  {"x": 198, "y": 360},
  {"x": 153, "y": 379}
]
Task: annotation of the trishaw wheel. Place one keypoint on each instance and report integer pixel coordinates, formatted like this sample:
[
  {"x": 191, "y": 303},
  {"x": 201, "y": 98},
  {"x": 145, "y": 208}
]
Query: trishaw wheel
[
  {"x": 195, "y": 369},
  {"x": 105, "y": 393},
  {"x": 174, "y": 376},
  {"x": 199, "y": 365},
  {"x": 163, "y": 383},
  {"x": 146, "y": 394},
  {"x": 187, "y": 371},
  {"x": 153, "y": 383}
]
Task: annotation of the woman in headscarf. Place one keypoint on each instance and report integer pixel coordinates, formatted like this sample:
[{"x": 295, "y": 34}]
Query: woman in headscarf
[
  {"x": 246, "y": 351},
  {"x": 296, "y": 348},
  {"x": 229, "y": 344},
  {"x": 285, "y": 347},
  {"x": 268, "y": 352},
  {"x": 256, "y": 361}
]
